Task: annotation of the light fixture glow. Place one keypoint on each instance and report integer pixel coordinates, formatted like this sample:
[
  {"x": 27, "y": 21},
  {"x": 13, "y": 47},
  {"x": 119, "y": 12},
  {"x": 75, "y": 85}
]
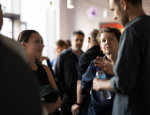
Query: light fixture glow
[
  {"x": 70, "y": 4},
  {"x": 105, "y": 13},
  {"x": 50, "y": 4}
]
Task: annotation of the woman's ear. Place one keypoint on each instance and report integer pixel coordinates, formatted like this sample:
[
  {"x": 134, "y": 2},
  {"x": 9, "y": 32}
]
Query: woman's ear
[
  {"x": 71, "y": 42},
  {"x": 89, "y": 39},
  {"x": 23, "y": 44}
]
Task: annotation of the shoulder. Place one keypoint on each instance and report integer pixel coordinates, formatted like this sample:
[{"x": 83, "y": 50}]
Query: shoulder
[
  {"x": 92, "y": 64},
  {"x": 93, "y": 52},
  {"x": 138, "y": 24},
  {"x": 45, "y": 67},
  {"x": 65, "y": 53},
  {"x": 15, "y": 46}
]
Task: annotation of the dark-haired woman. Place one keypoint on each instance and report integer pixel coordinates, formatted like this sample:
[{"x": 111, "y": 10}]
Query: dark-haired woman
[{"x": 32, "y": 42}]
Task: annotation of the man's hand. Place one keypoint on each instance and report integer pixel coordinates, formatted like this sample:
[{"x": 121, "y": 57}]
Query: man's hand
[
  {"x": 97, "y": 84},
  {"x": 105, "y": 64},
  {"x": 40, "y": 59},
  {"x": 74, "y": 108}
]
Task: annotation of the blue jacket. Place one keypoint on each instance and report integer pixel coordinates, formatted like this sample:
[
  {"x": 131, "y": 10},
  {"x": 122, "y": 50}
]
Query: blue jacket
[{"x": 98, "y": 106}]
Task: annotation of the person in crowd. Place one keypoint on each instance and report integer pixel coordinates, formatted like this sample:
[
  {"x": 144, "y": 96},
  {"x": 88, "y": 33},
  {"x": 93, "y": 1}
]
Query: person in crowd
[
  {"x": 68, "y": 42},
  {"x": 65, "y": 72},
  {"x": 109, "y": 40},
  {"x": 19, "y": 89},
  {"x": 93, "y": 51},
  {"x": 32, "y": 43},
  {"x": 59, "y": 47},
  {"x": 131, "y": 81}
]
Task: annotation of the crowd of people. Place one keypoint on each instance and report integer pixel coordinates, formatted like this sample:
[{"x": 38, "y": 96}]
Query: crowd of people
[{"x": 67, "y": 85}]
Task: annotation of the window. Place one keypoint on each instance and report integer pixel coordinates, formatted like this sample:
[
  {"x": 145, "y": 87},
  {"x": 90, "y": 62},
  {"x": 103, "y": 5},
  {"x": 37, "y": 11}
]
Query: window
[{"x": 7, "y": 29}]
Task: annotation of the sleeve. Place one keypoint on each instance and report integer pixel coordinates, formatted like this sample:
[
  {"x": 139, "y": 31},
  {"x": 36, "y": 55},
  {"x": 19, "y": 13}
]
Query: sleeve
[
  {"x": 127, "y": 63},
  {"x": 50, "y": 66},
  {"x": 87, "y": 79},
  {"x": 84, "y": 62},
  {"x": 59, "y": 73}
]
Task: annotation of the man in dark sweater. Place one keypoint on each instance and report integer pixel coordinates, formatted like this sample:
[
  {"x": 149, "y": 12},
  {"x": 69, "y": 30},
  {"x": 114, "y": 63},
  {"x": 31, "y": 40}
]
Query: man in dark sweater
[
  {"x": 131, "y": 80},
  {"x": 93, "y": 51},
  {"x": 65, "y": 72}
]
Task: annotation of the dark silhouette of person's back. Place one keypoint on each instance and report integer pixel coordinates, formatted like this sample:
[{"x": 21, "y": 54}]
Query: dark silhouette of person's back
[{"x": 19, "y": 91}]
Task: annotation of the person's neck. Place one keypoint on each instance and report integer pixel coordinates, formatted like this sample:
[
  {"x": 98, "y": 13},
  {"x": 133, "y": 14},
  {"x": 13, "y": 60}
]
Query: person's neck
[
  {"x": 136, "y": 12},
  {"x": 31, "y": 63},
  {"x": 77, "y": 52},
  {"x": 112, "y": 57},
  {"x": 92, "y": 44}
]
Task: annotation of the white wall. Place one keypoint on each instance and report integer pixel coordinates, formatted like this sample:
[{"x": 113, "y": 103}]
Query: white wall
[
  {"x": 67, "y": 17},
  {"x": 16, "y": 7}
]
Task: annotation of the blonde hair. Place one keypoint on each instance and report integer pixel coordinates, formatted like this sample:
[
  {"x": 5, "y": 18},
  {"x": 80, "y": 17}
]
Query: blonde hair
[{"x": 93, "y": 35}]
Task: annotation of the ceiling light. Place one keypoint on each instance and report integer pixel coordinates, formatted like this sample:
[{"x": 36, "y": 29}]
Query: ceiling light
[
  {"x": 70, "y": 4},
  {"x": 105, "y": 13}
]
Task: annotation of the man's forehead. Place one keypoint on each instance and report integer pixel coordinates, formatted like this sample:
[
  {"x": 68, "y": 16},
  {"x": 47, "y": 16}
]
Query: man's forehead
[
  {"x": 111, "y": 4},
  {"x": 76, "y": 36}
]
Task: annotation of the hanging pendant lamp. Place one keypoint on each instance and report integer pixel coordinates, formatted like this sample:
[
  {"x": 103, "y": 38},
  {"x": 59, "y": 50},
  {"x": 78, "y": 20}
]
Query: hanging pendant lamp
[{"x": 70, "y": 4}]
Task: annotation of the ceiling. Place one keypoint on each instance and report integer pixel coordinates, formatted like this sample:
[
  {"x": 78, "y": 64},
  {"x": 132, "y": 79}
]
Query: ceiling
[{"x": 146, "y": 3}]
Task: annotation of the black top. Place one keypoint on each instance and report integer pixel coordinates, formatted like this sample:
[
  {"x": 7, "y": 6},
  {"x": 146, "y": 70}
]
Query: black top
[
  {"x": 41, "y": 75},
  {"x": 86, "y": 58},
  {"x": 19, "y": 90},
  {"x": 65, "y": 74},
  {"x": 132, "y": 69}
]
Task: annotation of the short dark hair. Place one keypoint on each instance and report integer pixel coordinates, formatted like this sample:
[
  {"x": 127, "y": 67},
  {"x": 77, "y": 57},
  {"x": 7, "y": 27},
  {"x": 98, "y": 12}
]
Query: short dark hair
[
  {"x": 78, "y": 32},
  {"x": 116, "y": 32},
  {"x": 133, "y": 2},
  {"x": 68, "y": 43},
  {"x": 25, "y": 35},
  {"x": 61, "y": 43}
]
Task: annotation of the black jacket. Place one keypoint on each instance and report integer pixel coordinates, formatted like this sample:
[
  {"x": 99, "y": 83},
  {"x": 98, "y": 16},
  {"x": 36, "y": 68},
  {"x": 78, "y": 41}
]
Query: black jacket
[
  {"x": 65, "y": 74},
  {"x": 86, "y": 58}
]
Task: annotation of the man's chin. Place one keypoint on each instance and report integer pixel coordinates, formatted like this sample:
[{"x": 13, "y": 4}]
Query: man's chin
[{"x": 78, "y": 49}]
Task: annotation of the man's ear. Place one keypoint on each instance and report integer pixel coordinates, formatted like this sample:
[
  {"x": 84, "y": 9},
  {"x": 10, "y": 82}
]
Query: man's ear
[
  {"x": 89, "y": 39},
  {"x": 23, "y": 44},
  {"x": 124, "y": 4}
]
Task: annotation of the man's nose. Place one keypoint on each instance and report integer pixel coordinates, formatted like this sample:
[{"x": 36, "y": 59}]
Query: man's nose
[
  {"x": 114, "y": 17},
  {"x": 78, "y": 41}
]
